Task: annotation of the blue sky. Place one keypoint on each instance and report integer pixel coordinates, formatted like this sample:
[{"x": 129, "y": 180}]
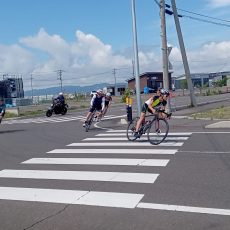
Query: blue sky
[{"x": 87, "y": 38}]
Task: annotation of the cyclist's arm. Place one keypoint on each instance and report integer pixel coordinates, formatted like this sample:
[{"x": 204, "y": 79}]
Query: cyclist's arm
[
  {"x": 150, "y": 105},
  {"x": 92, "y": 100},
  {"x": 103, "y": 104}
]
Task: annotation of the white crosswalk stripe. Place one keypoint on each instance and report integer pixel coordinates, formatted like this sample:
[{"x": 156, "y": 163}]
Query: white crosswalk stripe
[
  {"x": 116, "y": 151},
  {"x": 98, "y": 161},
  {"x": 53, "y": 119},
  {"x": 127, "y": 144},
  {"x": 135, "y": 158},
  {"x": 81, "y": 175}
]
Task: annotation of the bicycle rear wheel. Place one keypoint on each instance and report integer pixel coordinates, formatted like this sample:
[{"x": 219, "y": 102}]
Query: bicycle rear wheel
[
  {"x": 131, "y": 129},
  {"x": 158, "y": 131}
]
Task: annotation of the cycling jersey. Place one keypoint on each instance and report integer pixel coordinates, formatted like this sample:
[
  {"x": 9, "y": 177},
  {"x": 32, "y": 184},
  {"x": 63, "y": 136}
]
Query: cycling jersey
[
  {"x": 107, "y": 100},
  {"x": 153, "y": 102},
  {"x": 97, "y": 103}
]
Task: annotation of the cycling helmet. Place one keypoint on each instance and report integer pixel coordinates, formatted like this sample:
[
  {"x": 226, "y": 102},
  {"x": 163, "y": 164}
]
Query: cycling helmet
[
  {"x": 60, "y": 93},
  {"x": 164, "y": 92},
  {"x": 108, "y": 94},
  {"x": 99, "y": 91}
]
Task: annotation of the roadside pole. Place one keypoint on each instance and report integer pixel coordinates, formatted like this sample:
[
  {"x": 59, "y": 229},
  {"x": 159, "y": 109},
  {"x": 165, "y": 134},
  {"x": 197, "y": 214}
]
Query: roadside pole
[
  {"x": 136, "y": 60},
  {"x": 183, "y": 54},
  {"x": 164, "y": 51}
]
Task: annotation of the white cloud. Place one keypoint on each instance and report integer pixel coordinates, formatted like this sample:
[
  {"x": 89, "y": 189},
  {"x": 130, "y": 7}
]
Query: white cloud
[
  {"x": 15, "y": 59},
  {"x": 87, "y": 56},
  {"x": 218, "y": 3}
]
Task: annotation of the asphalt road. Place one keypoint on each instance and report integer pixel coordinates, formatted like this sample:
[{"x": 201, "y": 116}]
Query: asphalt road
[{"x": 53, "y": 178}]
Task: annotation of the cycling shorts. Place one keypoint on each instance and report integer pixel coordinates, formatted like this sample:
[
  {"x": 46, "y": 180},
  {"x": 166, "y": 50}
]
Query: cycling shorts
[
  {"x": 145, "y": 109},
  {"x": 95, "y": 107}
]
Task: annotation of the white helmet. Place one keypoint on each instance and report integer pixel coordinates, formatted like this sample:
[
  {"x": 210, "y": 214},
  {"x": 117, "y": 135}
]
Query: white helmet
[
  {"x": 60, "y": 93},
  {"x": 99, "y": 91},
  {"x": 108, "y": 94}
]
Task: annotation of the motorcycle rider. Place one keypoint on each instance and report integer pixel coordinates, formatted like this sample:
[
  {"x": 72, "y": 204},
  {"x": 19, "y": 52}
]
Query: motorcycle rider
[{"x": 61, "y": 99}]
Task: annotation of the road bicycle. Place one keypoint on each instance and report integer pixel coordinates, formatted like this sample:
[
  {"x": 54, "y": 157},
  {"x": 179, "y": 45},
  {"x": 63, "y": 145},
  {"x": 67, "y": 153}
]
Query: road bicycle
[
  {"x": 94, "y": 117},
  {"x": 155, "y": 126}
]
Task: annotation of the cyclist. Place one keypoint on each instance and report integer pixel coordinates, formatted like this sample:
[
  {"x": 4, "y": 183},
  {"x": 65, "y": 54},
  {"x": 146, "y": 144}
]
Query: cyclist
[
  {"x": 97, "y": 103},
  {"x": 2, "y": 109},
  {"x": 108, "y": 101},
  {"x": 158, "y": 100}
]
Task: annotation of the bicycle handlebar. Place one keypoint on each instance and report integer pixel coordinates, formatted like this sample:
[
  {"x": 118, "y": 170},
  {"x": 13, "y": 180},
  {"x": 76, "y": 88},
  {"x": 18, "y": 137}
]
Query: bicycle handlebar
[{"x": 158, "y": 110}]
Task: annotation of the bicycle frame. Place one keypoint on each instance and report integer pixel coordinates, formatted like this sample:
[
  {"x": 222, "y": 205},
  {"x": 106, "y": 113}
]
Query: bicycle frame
[{"x": 157, "y": 128}]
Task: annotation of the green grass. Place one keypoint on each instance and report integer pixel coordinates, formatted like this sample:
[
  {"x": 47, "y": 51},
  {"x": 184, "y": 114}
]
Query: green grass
[{"x": 219, "y": 113}]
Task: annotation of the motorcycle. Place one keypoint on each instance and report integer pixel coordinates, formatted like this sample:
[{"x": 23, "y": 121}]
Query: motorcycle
[{"x": 57, "y": 107}]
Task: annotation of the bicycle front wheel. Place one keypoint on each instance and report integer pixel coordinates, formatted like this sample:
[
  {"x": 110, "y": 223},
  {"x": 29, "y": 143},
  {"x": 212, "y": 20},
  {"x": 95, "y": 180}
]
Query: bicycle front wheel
[
  {"x": 131, "y": 129},
  {"x": 158, "y": 131}
]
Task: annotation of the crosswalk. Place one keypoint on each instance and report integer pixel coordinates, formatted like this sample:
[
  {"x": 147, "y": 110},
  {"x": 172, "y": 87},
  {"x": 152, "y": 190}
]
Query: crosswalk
[
  {"x": 109, "y": 148},
  {"x": 53, "y": 119}
]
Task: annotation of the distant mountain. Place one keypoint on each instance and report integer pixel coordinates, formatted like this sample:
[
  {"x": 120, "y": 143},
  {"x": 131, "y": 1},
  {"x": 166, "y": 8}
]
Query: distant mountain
[{"x": 66, "y": 89}]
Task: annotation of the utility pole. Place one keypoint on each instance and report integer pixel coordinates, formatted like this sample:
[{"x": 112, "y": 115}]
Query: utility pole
[
  {"x": 31, "y": 84},
  {"x": 135, "y": 46},
  {"x": 164, "y": 45},
  {"x": 115, "y": 81},
  {"x": 60, "y": 77},
  {"x": 183, "y": 54},
  {"x": 164, "y": 51}
]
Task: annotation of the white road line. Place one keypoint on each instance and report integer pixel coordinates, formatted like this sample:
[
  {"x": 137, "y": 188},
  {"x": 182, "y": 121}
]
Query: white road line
[
  {"x": 179, "y": 208},
  {"x": 118, "y": 144},
  {"x": 107, "y": 199},
  {"x": 113, "y": 117},
  {"x": 175, "y": 134},
  {"x": 116, "y": 151},
  {"x": 171, "y": 133},
  {"x": 108, "y": 134},
  {"x": 43, "y": 120},
  {"x": 81, "y": 175},
  {"x": 98, "y": 161},
  {"x": 125, "y": 139}
]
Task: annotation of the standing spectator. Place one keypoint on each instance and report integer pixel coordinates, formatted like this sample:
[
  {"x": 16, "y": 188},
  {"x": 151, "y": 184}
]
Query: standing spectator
[{"x": 2, "y": 109}]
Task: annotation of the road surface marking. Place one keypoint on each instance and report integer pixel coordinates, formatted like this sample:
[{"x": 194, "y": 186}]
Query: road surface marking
[
  {"x": 179, "y": 208},
  {"x": 118, "y": 144},
  {"x": 116, "y": 151},
  {"x": 106, "y": 199},
  {"x": 125, "y": 139},
  {"x": 81, "y": 175},
  {"x": 98, "y": 161},
  {"x": 173, "y": 134}
]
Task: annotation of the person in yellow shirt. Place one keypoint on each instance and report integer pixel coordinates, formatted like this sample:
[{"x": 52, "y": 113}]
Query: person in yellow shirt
[{"x": 158, "y": 100}]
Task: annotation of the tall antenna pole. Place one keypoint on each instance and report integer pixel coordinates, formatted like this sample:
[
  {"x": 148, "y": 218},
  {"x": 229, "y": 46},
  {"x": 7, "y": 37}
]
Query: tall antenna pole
[
  {"x": 137, "y": 75},
  {"x": 183, "y": 54}
]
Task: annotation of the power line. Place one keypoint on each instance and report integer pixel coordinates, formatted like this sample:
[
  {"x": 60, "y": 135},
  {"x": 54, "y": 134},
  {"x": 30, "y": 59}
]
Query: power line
[
  {"x": 202, "y": 15},
  {"x": 199, "y": 19}
]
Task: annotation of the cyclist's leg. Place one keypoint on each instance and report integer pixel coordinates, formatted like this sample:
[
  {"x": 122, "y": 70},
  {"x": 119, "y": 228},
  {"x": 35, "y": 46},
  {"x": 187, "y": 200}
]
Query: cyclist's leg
[
  {"x": 89, "y": 115},
  {"x": 140, "y": 121},
  {"x": 105, "y": 110}
]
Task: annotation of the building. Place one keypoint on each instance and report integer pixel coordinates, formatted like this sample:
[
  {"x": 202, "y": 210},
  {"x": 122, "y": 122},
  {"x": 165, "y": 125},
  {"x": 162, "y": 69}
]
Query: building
[
  {"x": 152, "y": 80},
  {"x": 200, "y": 79},
  {"x": 11, "y": 88},
  {"x": 116, "y": 90}
]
